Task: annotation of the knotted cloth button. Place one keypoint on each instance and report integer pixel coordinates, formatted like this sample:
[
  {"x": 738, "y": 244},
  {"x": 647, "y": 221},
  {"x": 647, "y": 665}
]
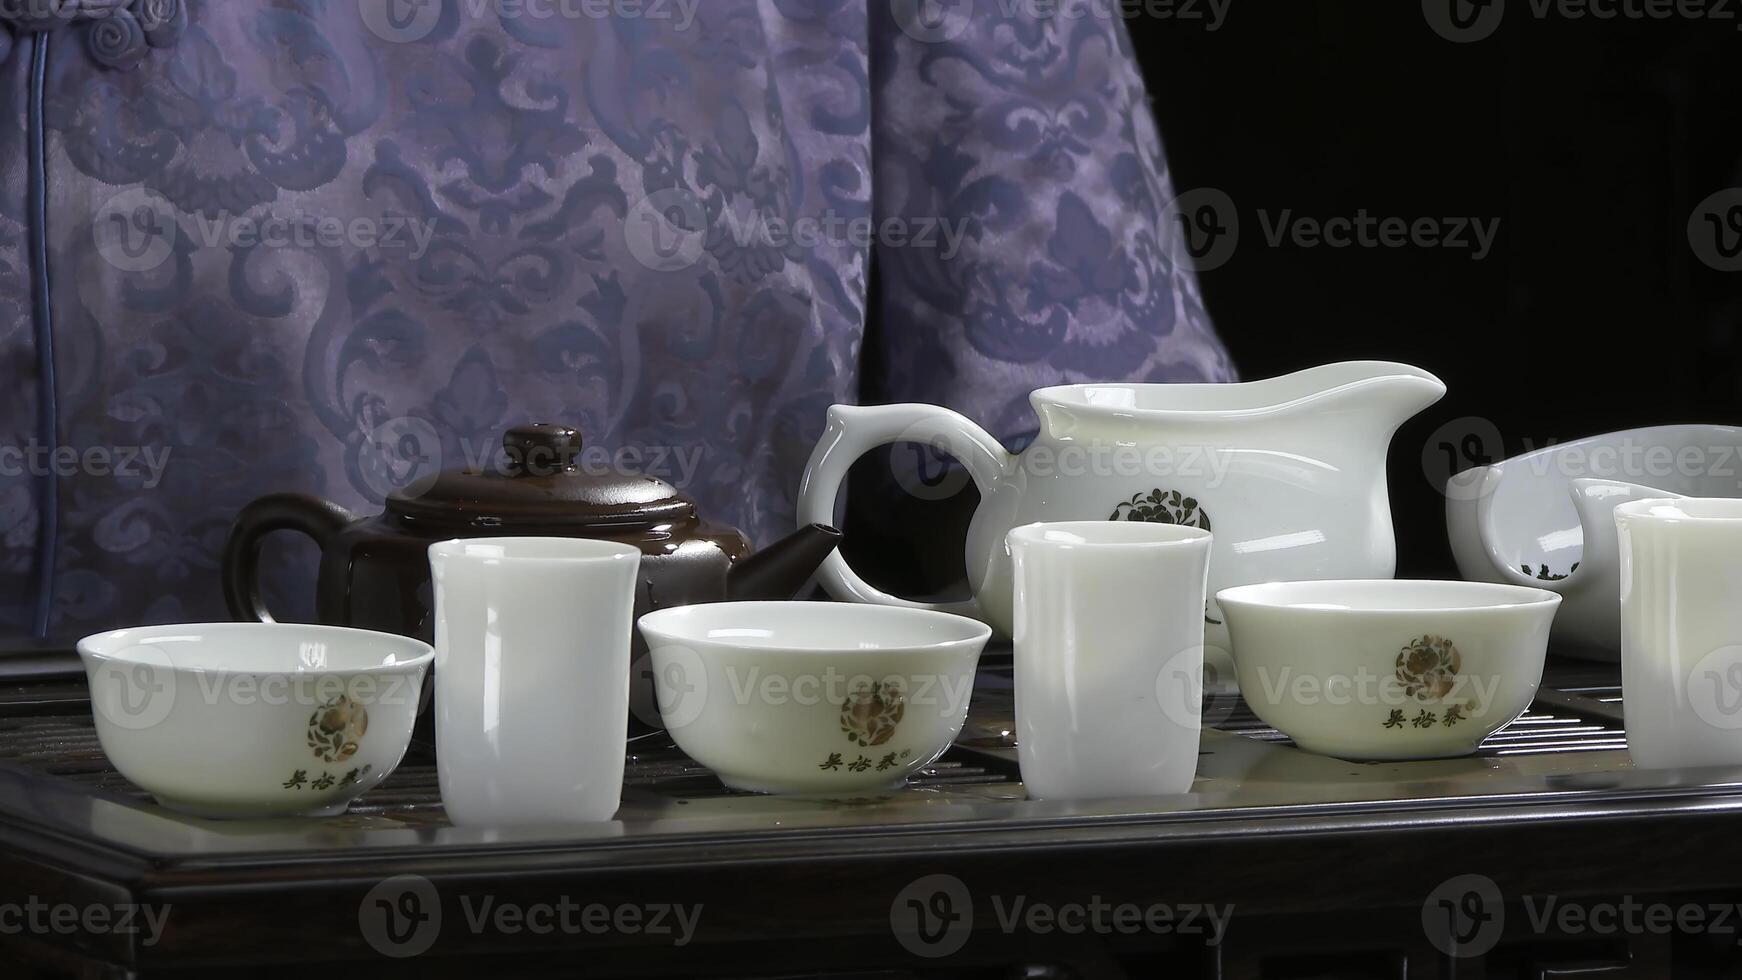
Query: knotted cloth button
[
  {"x": 117, "y": 40},
  {"x": 117, "y": 32},
  {"x": 163, "y": 20}
]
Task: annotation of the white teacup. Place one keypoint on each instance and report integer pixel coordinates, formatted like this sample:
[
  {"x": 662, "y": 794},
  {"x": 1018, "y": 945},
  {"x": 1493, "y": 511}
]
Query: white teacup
[
  {"x": 1385, "y": 669},
  {"x": 240, "y": 720},
  {"x": 812, "y": 697},
  {"x": 1681, "y": 630}
]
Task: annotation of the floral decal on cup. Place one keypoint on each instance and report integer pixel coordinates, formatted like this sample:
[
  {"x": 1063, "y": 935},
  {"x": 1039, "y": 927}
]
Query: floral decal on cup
[
  {"x": 336, "y": 727},
  {"x": 1162, "y": 507},
  {"x": 872, "y": 711},
  {"x": 1427, "y": 668}
]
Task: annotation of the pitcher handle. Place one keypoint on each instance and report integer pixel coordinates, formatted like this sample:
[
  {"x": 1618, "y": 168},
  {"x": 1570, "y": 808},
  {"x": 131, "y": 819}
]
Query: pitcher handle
[
  {"x": 854, "y": 431},
  {"x": 317, "y": 518}
]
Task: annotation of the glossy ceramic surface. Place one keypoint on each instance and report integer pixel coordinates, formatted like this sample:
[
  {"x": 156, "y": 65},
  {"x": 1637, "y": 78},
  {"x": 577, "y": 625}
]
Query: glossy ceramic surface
[
  {"x": 816, "y": 698},
  {"x": 1288, "y": 473},
  {"x": 1681, "y": 630},
  {"x": 1546, "y": 518},
  {"x": 254, "y": 720},
  {"x": 532, "y": 677},
  {"x": 374, "y": 570},
  {"x": 1108, "y": 657},
  {"x": 1389, "y": 669}
]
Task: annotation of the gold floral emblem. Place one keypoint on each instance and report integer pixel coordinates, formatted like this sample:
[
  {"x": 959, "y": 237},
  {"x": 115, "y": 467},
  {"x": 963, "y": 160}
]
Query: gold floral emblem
[
  {"x": 872, "y": 711},
  {"x": 1428, "y": 668},
  {"x": 336, "y": 727}
]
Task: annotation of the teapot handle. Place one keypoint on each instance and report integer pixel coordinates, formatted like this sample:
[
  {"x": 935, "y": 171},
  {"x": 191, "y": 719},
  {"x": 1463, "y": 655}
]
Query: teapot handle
[
  {"x": 854, "y": 431},
  {"x": 317, "y": 518}
]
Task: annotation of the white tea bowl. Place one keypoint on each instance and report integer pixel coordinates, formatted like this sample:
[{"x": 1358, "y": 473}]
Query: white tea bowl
[
  {"x": 254, "y": 720},
  {"x": 1389, "y": 669},
  {"x": 817, "y": 698}
]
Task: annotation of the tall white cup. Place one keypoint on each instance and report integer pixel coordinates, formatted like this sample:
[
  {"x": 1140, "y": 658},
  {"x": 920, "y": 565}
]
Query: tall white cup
[
  {"x": 532, "y": 677},
  {"x": 1681, "y": 631},
  {"x": 1109, "y": 632}
]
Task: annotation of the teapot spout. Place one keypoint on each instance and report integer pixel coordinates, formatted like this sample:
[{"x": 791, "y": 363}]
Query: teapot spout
[{"x": 781, "y": 569}]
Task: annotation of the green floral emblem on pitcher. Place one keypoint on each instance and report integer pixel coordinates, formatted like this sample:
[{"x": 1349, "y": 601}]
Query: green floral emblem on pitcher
[{"x": 1162, "y": 507}]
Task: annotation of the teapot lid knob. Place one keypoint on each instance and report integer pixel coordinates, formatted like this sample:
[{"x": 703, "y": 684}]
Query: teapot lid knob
[{"x": 541, "y": 449}]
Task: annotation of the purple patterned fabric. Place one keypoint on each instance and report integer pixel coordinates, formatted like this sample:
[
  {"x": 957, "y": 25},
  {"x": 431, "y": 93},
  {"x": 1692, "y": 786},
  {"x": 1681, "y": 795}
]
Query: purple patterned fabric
[{"x": 325, "y": 245}]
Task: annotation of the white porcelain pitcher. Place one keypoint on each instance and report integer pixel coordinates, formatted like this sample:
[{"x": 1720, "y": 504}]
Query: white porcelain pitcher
[{"x": 1288, "y": 474}]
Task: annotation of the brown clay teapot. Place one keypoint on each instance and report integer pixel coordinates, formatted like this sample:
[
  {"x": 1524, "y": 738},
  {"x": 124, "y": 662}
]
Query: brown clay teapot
[{"x": 374, "y": 571}]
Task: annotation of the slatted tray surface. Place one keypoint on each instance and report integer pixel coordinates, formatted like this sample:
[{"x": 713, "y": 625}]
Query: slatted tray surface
[{"x": 54, "y": 737}]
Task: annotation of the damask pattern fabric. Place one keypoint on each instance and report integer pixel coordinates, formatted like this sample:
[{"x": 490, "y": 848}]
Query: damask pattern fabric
[{"x": 304, "y": 235}]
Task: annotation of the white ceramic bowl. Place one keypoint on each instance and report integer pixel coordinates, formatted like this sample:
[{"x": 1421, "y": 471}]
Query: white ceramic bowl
[
  {"x": 251, "y": 720},
  {"x": 1389, "y": 669},
  {"x": 1546, "y": 518},
  {"x": 821, "y": 698}
]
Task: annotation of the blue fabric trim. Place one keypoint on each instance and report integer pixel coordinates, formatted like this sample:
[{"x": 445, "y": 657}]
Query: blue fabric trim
[{"x": 48, "y": 413}]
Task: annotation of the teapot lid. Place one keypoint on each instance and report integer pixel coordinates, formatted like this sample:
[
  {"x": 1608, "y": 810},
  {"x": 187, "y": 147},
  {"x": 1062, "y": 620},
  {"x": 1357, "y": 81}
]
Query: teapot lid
[{"x": 539, "y": 485}]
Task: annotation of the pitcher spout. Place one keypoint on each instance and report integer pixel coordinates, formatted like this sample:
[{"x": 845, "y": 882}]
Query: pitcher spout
[
  {"x": 1384, "y": 393},
  {"x": 1380, "y": 393}
]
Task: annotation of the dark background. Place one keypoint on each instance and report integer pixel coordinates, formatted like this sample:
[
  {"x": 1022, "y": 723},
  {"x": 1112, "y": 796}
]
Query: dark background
[{"x": 1593, "y": 141}]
